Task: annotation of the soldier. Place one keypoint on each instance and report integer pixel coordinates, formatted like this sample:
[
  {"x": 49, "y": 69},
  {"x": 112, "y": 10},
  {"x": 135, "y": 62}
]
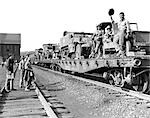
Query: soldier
[
  {"x": 9, "y": 64},
  {"x": 123, "y": 32},
  {"x": 108, "y": 36},
  {"x": 22, "y": 71},
  {"x": 78, "y": 48},
  {"x": 71, "y": 49},
  {"x": 97, "y": 42},
  {"x": 29, "y": 75}
]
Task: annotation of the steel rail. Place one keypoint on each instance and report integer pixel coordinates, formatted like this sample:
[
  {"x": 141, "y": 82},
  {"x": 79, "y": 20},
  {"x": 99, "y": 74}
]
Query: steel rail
[
  {"x": 48, "y": 109},
  {"x": 121, "y": 90}
]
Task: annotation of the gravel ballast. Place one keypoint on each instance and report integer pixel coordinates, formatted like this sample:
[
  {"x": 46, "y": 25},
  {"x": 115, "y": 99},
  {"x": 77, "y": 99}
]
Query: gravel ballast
[{"x": 85, "y": 100}]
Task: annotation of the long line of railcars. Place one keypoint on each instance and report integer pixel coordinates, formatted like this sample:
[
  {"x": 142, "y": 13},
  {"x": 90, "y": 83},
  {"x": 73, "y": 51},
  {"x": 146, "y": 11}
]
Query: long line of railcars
[{"x": 132, "y": 70}]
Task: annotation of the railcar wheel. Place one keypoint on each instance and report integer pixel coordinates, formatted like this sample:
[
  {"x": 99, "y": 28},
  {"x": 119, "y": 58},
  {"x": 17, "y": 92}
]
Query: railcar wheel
[
  {"x": 56, "y": 68},
  {"x": 53, "y": 67},
  {"x": 59, "y": 69},
  {"x": 141, "y": 83},
  {"x": 50, "y": 66},
  {"x": 117, "y": 76},
  {"x": 114, "y": 77},
  {"x": 108, "y": 79},
  {"x": 62, "y": 70}
]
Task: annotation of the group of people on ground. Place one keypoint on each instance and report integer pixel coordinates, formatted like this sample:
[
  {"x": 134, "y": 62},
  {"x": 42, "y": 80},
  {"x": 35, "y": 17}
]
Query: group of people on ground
[{"x": 26, "y": 73}]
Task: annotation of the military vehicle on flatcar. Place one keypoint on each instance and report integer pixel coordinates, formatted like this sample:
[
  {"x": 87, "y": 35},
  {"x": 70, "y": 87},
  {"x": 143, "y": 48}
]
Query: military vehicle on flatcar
[
  {"x": 133, "y": 68},
  {"x": 75, "y": 44}
]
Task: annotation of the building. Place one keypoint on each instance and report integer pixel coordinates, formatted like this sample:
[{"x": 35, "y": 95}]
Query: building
[{"x": 10, "y": 44}]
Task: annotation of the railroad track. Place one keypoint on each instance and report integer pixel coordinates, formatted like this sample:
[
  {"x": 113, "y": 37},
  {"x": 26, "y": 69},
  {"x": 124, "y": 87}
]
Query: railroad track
[
  {"x": 25, "y": 104},
  {"x": 35, "y": 103},
  {"x": 47, "y": 106},
  {"x": 120, "y": 91},
  {"x": 53, "y": 107}
]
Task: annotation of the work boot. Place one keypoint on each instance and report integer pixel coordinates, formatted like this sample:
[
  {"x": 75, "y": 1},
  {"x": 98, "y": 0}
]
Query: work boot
[
  {"x": 120, "y": 53},
  {"x": 26, "y": 89}
]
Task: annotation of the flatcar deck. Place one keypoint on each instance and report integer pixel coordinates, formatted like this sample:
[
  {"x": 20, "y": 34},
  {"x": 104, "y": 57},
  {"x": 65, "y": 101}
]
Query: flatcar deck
[{"x": 86, "y": 65}]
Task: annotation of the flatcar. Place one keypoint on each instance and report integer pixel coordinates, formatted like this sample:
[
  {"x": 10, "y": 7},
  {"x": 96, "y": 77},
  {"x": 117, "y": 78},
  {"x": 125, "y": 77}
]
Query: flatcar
[{"x": 133, "y": 69}]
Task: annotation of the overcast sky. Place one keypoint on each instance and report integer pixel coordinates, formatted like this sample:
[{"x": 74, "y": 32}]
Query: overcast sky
[{"x": 44, "y": 21}]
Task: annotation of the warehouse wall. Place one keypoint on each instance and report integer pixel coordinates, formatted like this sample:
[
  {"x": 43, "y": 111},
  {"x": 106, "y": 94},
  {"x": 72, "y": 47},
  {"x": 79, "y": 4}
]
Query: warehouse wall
[{"x": 6, "y": 49}]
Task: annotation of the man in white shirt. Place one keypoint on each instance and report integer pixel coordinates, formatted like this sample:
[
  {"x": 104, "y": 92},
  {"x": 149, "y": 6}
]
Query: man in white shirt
[
  {"x": 22, "y": 71},
  {"x": 10, "y": 72},
  {"x": 71, "y": 47},
  {"x": 28, "y": 71},
  {"x": 123, "y": 31},
  {"x": 97, "y": 43}
]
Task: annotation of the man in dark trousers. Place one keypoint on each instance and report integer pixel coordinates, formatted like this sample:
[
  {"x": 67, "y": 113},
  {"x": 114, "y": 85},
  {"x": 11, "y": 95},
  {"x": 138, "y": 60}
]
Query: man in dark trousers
[
  {"x": 28, "y": 75},
  {"x": 9, "y": 73},
  {"x": 123, "y": 32},
  {"x": 21, "y": 67}
]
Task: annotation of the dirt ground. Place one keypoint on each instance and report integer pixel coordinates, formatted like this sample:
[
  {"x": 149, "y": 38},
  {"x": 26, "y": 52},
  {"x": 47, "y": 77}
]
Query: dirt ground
[{"x": 88, "y": 101}]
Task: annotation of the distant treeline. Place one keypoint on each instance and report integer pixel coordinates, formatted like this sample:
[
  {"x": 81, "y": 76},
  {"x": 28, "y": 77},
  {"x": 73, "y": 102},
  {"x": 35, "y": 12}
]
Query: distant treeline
[{"x": 26, "y": 52}]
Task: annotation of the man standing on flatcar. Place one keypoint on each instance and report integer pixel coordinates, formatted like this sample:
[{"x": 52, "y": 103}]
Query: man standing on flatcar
[
  {"x": 71, "y": 47},
  {"x": 123, "y": 32},
  {"x": 97, "y": 43}
]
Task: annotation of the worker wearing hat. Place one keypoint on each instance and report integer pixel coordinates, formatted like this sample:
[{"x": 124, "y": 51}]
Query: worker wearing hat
[
  {"x": 22, "y": 71},
  {"x": 123, "y": 31},
  {"x": 10, "y": 71}
]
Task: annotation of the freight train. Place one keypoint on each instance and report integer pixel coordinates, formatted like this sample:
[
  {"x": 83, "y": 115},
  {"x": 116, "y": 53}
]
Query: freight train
[{"x": 76, "y": 55}]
